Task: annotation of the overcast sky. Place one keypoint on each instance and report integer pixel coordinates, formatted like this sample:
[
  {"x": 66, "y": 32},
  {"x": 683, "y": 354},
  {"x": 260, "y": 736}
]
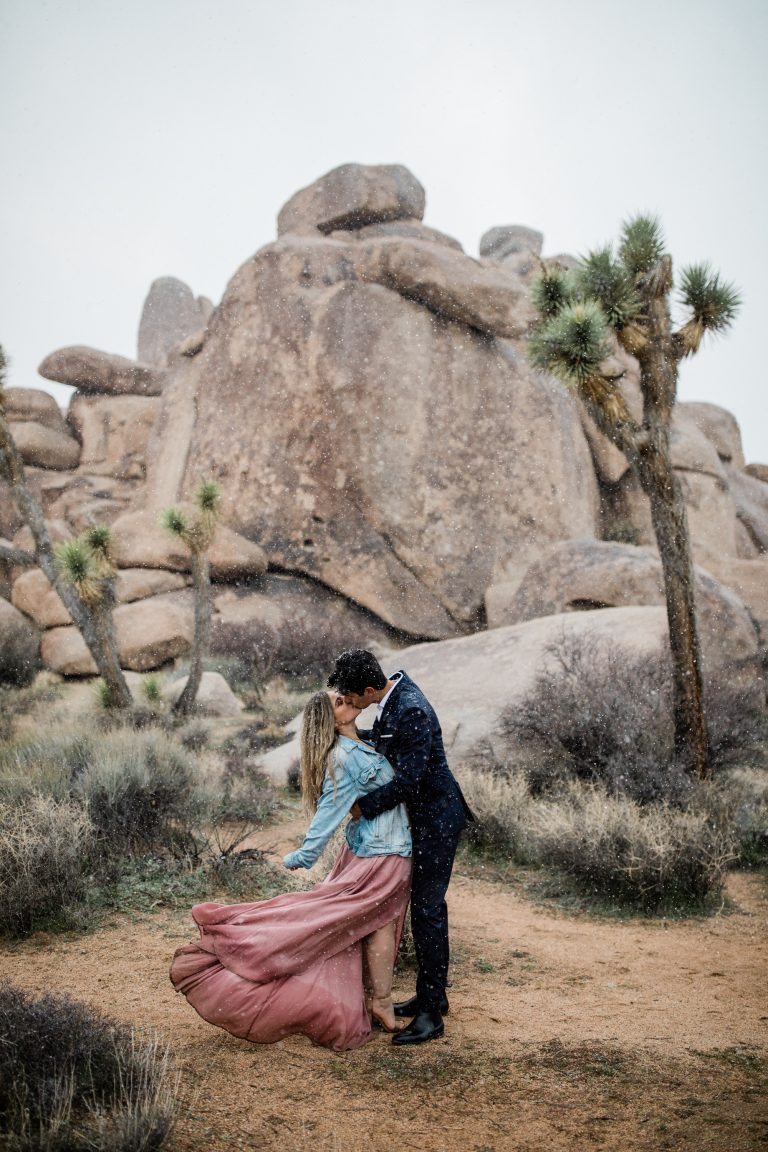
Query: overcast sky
[{"x": 161, "y": 137}]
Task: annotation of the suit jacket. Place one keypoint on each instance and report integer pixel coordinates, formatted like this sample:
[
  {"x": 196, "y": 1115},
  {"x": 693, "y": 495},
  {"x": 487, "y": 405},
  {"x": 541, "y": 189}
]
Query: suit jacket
[{"x": 408, "y": 734}]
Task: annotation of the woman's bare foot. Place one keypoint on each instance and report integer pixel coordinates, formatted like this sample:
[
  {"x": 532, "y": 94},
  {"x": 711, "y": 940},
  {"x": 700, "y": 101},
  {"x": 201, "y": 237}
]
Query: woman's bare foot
[{"x": 382, "y": 1009}]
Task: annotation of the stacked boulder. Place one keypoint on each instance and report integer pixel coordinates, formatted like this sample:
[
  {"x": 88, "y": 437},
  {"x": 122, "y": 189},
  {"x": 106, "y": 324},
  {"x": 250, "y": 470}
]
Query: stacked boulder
[{"x": 363, "y": 399}]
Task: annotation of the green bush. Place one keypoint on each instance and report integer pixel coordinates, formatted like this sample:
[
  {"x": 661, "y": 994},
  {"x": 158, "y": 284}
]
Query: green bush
[{"x": 73, "y": 1080}]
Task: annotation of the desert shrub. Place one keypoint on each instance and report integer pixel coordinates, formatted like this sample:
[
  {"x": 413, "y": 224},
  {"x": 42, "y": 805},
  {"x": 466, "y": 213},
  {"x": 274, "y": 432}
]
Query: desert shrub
[
  {"x": 45, "y": 845},
  {"x": 299, "y": 647},
  {"x": 501, "y": 803},
  {"x": 651, "y": 858},
  {"x": 73, "y": 1080},
  {"x": 605, "y": 717},
  {"x": 139, "y": 787},
  {"x": 20, "y": 654},
  {"x": 737, "y": 802},
  {"x": 141, "y": 791}
]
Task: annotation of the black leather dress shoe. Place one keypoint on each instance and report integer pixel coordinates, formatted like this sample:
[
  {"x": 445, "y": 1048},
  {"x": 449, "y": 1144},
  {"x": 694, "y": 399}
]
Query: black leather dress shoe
[
  {"x": 426, "y": 1026},
  {"x": 411, "y": 1007}
]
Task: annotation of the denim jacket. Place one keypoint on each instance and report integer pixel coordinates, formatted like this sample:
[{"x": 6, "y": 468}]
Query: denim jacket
[{"x": 358, "y": 770}]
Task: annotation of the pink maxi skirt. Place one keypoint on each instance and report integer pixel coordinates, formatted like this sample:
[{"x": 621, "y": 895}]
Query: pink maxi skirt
[{"x": 294, "y": 964}]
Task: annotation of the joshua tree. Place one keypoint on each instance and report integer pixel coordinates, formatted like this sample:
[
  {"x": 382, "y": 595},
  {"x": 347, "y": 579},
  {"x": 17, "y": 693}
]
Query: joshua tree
[
  {"x": 197, "y": 533},
  {"x": 627, "y": 294},
  {"x": 80, "y": 573}
]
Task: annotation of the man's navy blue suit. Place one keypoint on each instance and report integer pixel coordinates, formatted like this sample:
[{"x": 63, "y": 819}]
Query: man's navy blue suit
[{"x": 408, "y": 734}]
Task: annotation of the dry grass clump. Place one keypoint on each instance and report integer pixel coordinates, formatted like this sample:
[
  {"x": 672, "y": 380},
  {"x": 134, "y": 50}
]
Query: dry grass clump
[
  {"x": 648, "y": 858},
  {"x": 73, "y": 1080},
  {"x": 44, "y": 845},
  {"x": 737, "y": 802},
  {"x": 653, "y": 858},
  {"x": 502, "y": 805}
]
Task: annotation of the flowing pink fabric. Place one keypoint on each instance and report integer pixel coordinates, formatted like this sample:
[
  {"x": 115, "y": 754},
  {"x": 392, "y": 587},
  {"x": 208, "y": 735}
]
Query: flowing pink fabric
[{"x": 294, "y": 964}]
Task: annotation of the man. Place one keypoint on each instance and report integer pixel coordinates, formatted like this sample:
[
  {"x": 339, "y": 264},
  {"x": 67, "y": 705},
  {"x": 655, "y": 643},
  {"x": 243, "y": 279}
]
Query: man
[{"x": 407, "y": 732}]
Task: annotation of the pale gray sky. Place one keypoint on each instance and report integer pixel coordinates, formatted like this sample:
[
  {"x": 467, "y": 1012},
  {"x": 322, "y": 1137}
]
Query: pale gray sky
[{"x": 161, "y": 137}]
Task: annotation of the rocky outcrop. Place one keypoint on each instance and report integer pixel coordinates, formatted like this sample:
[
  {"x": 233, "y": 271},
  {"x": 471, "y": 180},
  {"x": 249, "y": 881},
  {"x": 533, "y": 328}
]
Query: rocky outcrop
[
  {"x": 19, "y": 646},
  {"x": 102, "y": 373},
  {"x": 751, "y": 499},
  {"x": 510, "y": 240},
  {"x": 33, "y": 594},
  {"x": 113, "y": 432},
  {"x": 170, "y": 314},
  {"x": 140, "y": 541},
  {"x": 377, "y": 444},
  {"x": 33, "y": 406},
  {"x": 43, "y": 447},
  {"x": 758, "y": 472},
  {"x": 719, "y": 427},
  {"x": 579, "y": 575},
  {"x": 149, "y": 633},
  {"x": 352, "y": 196}
]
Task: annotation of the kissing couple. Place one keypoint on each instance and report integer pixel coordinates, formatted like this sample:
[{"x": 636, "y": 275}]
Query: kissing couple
[{"x": 320, "y": 962}]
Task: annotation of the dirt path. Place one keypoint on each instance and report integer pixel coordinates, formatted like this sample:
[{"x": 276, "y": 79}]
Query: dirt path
[{"x": 564, "y": 1033}]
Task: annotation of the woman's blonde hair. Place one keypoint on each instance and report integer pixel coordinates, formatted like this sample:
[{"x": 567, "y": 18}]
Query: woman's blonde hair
[{"x": 318, "y": 736}]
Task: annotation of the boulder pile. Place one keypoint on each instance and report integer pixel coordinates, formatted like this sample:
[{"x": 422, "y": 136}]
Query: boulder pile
[{"x": 361, "y": 394}]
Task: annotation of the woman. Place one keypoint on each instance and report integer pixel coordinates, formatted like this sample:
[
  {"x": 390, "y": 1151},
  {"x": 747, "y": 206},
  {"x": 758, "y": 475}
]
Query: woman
[{"x": 317, "y": 962}]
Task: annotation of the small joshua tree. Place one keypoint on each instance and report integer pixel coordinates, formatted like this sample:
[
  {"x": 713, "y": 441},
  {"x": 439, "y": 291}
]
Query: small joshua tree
[
  {"x": 81, "y": 573},
  {"x": 197, "y": 532},
  {"x": 86, "y": 565},
  {"x": 626, "y": 295}
]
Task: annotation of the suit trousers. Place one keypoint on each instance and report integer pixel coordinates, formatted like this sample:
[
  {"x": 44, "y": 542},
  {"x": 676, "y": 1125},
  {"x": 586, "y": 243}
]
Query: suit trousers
[{"x": 433, "y": 855}]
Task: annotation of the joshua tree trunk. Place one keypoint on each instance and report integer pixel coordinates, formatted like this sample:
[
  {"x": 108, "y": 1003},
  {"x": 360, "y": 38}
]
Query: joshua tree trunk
[
  {"x": 668, "y": 513},
  {"x": 201, "y": 576},
  {"x": 653, "y": 466},
  {"x": 106, "y": 660},
  {"x": 111, "y": 672}
]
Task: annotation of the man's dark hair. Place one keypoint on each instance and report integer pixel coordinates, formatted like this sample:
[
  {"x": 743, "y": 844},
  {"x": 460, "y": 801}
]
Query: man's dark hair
[{"x": 355, "y": 671}]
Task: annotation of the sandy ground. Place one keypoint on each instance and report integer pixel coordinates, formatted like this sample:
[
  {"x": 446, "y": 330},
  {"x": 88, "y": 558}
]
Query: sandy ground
[{"x": 565, "y": 1032}]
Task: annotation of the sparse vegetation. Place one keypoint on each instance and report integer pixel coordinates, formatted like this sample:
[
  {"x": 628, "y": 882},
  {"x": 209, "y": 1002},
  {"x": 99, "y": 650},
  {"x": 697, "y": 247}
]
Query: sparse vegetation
[
  {"x": 82, "y": 808},
  {"x": 73, "y": 1080}
]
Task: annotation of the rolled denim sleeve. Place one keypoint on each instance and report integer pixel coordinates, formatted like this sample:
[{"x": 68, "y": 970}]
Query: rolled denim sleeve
[{"x": 332, "y": 807}]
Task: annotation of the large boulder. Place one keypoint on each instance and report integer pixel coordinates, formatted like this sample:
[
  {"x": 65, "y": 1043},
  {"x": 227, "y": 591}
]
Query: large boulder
[
  {"x": 170, "y": 314},
  {"x": 289, "y": 612},
  {"x": 140, "y": 541},
  {"x": 45, "y": 448},
  {"x": 471, "y": 681},
  {"x": 149, "y": 633},
  {"x": 113, "y": 432},
  {"x": 101, "y": 372},
  {"x": 32, "y": 405},
  {"x": 758, "y": 472},
  {"x": 447, "y": 282},
  {"x": 510, "y": 240},
  {"x": 749, "y": 579},
  {"x": 751, "y": 499},
  {"x": 578, "y": 575},
  {"x": 399, "y": 457},
  {"x": 720, "y": 427},
  {"x": 19, "y": 646},
  {"x": 32, "y": 593},
  {"x": 352, "y": 196}
]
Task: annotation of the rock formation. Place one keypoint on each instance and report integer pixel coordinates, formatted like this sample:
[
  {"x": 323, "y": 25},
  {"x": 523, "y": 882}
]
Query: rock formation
[{"x": 362, "y": 396}]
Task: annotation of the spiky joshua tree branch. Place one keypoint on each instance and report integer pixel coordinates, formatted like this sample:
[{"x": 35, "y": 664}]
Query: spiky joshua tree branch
[{"x": 625, "y": 296}]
